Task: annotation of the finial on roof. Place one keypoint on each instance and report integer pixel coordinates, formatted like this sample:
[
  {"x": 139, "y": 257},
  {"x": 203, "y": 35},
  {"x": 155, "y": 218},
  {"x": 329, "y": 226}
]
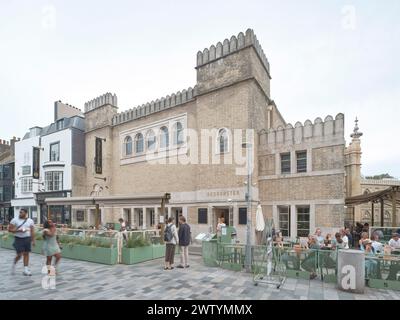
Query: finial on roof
[{"x": 356, "y": 133}]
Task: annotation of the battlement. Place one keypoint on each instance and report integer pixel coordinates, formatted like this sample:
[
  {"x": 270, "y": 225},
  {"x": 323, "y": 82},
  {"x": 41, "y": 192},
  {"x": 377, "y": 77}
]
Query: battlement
[
  {"x": 233, "y": 45},
  {"x": 4, "y": 142},
  {"x": 317, "y": 132},
  {"x": 175, "y": 99},
  {"x": 105, "y": 99}
]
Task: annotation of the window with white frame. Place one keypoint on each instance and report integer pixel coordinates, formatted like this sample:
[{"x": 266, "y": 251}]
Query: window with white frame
[
  {"x": 164, "y": 137},
  {"x": 301, "y": 157},
  {"x": 139, "y": 143},
  {"x": 285, "y": 163},
  {"x": 26, "y": 170},
  {"x": 151, "y": 140},
  {"x": 26, "y": 185},
  {"x": 223, "y": 141},
  {"x": 284, "y": 220},
  {"x": 178, "y": 134},
  {"x": 54, "y": 181},
  {"x": 303, "y": 221},
  {"x": 55, "y": 152},
  {"x": 128, "y": 146}
]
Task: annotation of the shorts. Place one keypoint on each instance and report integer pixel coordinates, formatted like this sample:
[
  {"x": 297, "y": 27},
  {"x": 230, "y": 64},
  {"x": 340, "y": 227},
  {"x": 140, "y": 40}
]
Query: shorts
[{"x": 22, "y": 244}]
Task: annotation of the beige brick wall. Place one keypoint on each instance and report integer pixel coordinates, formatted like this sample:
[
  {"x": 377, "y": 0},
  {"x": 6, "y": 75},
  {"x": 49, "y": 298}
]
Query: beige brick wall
[
  {"x": 301, "y": 188},
  {"x": 329, "y": 216},
  {"x": 328, "y": 158}
]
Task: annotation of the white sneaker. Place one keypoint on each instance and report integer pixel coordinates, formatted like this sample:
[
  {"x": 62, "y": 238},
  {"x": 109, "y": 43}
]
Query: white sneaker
[
  {"x": 13, "y": 269},
  {"x": 27, "y": 272}
]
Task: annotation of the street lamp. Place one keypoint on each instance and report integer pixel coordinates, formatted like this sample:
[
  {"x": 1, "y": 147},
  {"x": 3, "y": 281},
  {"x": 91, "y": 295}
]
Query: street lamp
[{"x": 248, "y": 147}]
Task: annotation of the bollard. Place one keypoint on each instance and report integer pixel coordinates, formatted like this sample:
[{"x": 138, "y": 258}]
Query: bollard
[{"x": 351, "y": 271}]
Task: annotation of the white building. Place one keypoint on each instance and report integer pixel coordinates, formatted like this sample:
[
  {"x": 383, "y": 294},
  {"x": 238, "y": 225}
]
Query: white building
[{"x": 62, "y": 161}]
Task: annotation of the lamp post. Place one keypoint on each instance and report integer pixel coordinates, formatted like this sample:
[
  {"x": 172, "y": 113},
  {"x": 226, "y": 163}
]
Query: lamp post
[{"x": 248, "y": 147}]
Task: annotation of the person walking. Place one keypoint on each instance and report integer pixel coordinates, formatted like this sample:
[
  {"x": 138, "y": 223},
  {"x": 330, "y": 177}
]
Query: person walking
[
  {"x": 51, "y": 247},
  {"x": 171, "y": 239},
  {"x": 184, "y": 235},
  {"x": 24, "y": 229}
]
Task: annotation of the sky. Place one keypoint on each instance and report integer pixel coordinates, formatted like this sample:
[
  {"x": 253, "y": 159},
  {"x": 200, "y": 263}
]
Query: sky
[{"x": 326, "y": 57}]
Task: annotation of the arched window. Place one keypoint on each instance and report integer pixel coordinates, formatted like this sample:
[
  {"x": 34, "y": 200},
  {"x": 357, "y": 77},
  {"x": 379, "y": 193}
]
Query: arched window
[
  {"x": 223, "y": 141},
  {"x": 139, "y": 143},
  {"x": 151, "y": 140},
  {"x": 178, "y": 134},
  {"x": 164, "y": 137},
  {"x": 128, "y": 146}
]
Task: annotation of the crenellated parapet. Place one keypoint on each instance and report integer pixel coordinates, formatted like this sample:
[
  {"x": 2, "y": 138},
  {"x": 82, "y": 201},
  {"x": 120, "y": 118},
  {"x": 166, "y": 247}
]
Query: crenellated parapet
[
  {"x": 105, "y": 99},
  {"x": 329, "y": 130},
  {"x": 228, "y": 47},
  {"x": 175, "y": 99}
]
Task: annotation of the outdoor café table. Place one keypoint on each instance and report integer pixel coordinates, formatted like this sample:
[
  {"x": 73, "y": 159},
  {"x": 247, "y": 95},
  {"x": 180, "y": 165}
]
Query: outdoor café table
[{"x": 237, "y": 255}]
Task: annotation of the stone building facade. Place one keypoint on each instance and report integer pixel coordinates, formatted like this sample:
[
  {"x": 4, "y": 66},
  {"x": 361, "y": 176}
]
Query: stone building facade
[{"x": 298, "y": 173}]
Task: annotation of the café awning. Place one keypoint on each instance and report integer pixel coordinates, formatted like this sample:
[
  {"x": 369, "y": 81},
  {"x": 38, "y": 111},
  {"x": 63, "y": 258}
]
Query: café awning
[{"x": 138, "y": 199}]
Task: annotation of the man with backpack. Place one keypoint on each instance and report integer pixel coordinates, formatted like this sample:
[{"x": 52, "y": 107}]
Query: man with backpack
[
  {"x": 184, "y": 242},
  {"x": 171, "y": 239},
  {"x": 24, "y": 236}
]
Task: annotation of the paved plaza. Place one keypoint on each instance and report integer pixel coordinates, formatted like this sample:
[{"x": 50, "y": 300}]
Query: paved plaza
[{"x": 148, "y": 281}]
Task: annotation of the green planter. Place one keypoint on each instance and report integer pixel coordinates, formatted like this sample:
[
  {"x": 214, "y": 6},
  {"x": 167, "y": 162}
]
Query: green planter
[
  {"x": 7, "y": 242},
  {"x": 137, "y": 255},
  {"x": 90, "y": 254},
  {"x": 384, "y": 284},
  {"x": 38, "y": 247},
  {"x": 158, "y": 251}
]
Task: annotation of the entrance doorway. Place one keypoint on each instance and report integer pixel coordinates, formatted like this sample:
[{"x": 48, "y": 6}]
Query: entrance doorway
[{"x": 219, "y": 213}]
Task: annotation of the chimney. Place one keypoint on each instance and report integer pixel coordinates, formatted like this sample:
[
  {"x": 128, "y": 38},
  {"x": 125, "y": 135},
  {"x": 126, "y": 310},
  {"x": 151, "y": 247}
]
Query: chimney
[{"x": 65, "y": 110}]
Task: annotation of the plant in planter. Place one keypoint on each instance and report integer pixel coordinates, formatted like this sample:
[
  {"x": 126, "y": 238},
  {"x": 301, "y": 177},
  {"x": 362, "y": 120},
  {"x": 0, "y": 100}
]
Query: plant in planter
[{"x": 137, "y": 249}]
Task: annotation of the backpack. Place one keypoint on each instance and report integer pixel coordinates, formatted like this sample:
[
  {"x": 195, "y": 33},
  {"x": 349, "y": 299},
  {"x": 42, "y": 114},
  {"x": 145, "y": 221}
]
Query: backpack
[{"x": 168, "y": 235}]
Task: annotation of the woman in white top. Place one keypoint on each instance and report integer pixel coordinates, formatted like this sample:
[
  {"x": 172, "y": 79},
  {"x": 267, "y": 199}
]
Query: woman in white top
[
  {"x": 220, "y": 225},
  {"x": 394, "y": 243}
]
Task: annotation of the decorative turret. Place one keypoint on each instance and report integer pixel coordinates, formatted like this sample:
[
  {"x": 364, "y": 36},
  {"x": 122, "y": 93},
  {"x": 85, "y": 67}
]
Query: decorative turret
[
  {"x": 353, "y": 169},
  {"x": 356, "y": 133}
]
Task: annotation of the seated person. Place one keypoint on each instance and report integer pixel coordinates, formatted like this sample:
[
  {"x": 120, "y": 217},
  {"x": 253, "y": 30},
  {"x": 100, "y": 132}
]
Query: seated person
[
  {"x": 376, "y": 245},
  {"x": 309, "y": 263},
  {"x": 364, "y": 238},
  {"x": 318, "y": 236},
  {"x": 371, "y": 265},
  {"x": 345, "y": 239},
  {"x": 394, "y": 243},
  {"x": 328, "y": 241},
  {"x": 338, "y": 243}
]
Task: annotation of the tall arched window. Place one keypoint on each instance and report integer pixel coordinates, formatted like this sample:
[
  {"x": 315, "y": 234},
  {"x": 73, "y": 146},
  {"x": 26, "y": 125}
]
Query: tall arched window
[
  {"x": 223, "y": 141},
  {"x": 164, "y": 137},
  {"x": 178, "y": 134},
  {"x": 128, "y": 146},
  {"x": 151, "y": 140},
  {"x": 139, "y": 147}
]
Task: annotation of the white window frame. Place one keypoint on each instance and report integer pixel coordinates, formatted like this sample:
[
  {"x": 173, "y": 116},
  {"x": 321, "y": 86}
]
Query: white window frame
[{"x": 228, "y": 141}]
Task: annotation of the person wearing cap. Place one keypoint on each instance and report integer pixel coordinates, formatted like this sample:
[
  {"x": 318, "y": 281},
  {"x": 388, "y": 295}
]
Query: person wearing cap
[{"x": 394, "y": 243}]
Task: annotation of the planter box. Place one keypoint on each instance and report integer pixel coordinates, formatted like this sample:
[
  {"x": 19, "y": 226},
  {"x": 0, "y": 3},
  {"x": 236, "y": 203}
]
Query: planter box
[
  {"x": 383, "y": 284},
  {"x": 38, "y": 247},
  {"x": 158, "y": 251},
  {"x": 137, "y": 255},
  {"x": 90, "y": 254},
  {"x": 8, "y": 242}
]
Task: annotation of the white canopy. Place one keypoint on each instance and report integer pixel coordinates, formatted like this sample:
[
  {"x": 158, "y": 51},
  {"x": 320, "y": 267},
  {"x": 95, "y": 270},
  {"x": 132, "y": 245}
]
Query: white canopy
[{"x": 260, "y": 223}]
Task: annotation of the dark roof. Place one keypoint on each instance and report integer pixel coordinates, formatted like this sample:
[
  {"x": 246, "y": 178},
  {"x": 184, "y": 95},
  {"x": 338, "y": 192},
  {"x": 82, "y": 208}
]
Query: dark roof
[
  {"x": 386, "y": 194},
  {"x": 75, "y": 122}
]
